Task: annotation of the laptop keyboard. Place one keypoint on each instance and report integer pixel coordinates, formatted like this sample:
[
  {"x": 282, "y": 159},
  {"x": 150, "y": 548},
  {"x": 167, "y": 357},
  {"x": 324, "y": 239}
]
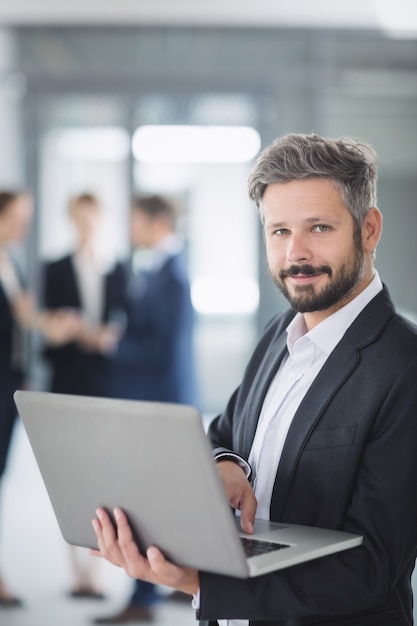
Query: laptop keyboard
[{"x": 254, "y": 547}]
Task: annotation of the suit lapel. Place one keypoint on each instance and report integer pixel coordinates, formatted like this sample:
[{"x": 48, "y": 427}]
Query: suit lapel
[
  {"x": 260, "y": 386},
  {"x": 71, "y": 283},
  {"x": 341, "y": 362},
  {"x": 337, "y": 368},
  {"x": 110, "y": 304}
]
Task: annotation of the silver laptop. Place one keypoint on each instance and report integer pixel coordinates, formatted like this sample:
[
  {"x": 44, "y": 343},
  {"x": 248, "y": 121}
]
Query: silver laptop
[{"x": 154, "y": 461}]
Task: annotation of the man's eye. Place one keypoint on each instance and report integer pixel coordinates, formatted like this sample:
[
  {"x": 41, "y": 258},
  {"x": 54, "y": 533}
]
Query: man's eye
[
  {"x": 321, "y": 228},
  {"x": 281, "y": 231}
]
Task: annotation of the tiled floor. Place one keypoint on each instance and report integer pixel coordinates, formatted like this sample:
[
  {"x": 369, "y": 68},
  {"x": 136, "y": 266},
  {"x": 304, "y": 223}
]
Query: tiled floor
[{"x": 34, "y": 557}]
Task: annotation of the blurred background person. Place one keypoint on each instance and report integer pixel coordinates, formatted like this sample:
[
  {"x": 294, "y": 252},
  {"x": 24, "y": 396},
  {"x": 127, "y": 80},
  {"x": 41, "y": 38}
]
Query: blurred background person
[
  {"x": 15, "y": 216},
  {"x": 18, "y": 313},
  {"x": 155, "y": 360},
  {"x": 89, "y": 282}
]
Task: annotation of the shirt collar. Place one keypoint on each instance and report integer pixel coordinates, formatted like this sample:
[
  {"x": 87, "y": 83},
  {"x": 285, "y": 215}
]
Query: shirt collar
[{"x": 167, "y": 247}]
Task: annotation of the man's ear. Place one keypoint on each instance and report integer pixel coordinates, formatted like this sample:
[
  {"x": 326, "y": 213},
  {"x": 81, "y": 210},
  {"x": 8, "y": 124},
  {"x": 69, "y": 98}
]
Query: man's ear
[{"x": 372, "y": 229}]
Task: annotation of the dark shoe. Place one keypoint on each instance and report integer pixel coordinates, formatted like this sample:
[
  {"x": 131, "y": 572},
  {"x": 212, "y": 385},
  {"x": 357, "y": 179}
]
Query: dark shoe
[
  {"x": 128, "y": 615},
  {"x": 179, "y": 596},
  {"x": 11, "y": 602},
  {"x": 89, "y": 594}
]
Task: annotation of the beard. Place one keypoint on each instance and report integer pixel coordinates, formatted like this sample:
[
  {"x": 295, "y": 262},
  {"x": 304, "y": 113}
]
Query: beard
[{"x": 342, "y": 281}]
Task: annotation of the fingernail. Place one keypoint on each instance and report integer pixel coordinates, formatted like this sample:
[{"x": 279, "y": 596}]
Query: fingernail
[{"x": 152, "y": 553}]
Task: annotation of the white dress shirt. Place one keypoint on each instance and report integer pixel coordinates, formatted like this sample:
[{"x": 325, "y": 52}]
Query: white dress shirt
[
  {"x": 90, "y": 280},
  {"x": 10, "y": 282},
  {"x": 307, "y": 353},
  {"x": 8, "y": 276}
]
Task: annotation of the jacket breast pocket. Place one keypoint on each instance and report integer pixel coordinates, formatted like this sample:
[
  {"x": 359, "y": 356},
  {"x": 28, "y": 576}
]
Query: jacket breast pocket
[{"x": 332, "y": 437}]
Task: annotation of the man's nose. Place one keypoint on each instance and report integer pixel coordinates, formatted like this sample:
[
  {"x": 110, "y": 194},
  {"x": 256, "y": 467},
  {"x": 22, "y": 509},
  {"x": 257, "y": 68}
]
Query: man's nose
[{"x": 298, "y": 250}]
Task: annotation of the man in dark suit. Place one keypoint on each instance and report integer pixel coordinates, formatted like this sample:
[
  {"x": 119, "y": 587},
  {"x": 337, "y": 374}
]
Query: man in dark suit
[
  {"x": 155, "y": 356},
  {"x": 155, "y": 360},
  {"x": 323, "y": 429}
]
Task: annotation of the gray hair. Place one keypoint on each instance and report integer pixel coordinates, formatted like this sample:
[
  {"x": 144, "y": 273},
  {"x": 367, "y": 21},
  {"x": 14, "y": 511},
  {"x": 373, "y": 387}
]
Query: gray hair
[{"x": 348, "y": 163}]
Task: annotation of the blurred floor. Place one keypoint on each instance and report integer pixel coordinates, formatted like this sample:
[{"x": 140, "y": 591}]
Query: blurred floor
[{"x": 34, "y": 557}]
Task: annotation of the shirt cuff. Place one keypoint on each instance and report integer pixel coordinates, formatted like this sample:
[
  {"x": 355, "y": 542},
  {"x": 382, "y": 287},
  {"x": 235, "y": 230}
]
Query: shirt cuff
[
  {"x": 231, "y": 456},
  {"x": 196, "y": 601}
]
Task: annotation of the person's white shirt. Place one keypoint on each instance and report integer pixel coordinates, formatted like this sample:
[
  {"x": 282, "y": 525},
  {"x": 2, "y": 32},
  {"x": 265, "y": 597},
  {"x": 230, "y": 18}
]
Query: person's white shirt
[
  {"x": 307, "y": 353},
  {"x": 12, "y": 287},
  {"x": 90, "y": 275},
  {"x": 8, "y": 276}
]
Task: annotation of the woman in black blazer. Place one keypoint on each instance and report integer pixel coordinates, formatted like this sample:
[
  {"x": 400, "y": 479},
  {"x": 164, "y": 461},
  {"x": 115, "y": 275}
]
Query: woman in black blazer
[
  {"x": 94, "y": 289},
  {"x": 18, "y": 314},
  {"x": 15, "y": 215}
]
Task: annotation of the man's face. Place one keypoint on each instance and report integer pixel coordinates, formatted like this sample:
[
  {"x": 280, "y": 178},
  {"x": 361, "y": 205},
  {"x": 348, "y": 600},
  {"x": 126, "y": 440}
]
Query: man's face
[
  {"x": 310, "y": 245},
  {"x": 141, "y": 229}
]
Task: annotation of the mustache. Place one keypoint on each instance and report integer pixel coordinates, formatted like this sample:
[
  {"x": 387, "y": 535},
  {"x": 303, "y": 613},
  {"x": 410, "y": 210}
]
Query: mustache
[{"x": 306, "y": 270}]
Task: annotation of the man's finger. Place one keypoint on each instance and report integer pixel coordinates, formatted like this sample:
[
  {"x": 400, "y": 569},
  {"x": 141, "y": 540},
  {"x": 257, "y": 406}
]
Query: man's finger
[
  {"x": 247, "y": 511},
  {"x": 107, "y": 538},
  {"x": 126, "y": 541}
]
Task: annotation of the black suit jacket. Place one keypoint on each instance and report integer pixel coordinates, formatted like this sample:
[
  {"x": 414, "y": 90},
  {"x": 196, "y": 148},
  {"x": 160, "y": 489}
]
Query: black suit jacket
[
  {"x": 73, "y": 369},
  {"x": 6, "y": 334},
  {"x": 11, "y": 375},
  {"x": 349, "y": 462}
]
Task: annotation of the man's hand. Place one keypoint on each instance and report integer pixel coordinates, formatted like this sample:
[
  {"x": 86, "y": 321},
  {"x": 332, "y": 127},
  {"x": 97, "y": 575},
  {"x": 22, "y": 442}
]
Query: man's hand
[
  {"x": 119, "y": 547},
  {"x": 239, "y": 492}
]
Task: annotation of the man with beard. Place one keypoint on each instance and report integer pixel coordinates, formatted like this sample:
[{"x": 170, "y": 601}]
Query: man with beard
[{"x": 322, "y": 430}]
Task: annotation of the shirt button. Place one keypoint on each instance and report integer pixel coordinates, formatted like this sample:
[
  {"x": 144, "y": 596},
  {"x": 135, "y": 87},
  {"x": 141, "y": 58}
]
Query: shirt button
[{"x": 291, "y": 376}]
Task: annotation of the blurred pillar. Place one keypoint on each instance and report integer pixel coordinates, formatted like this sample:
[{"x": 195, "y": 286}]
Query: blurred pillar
[{"x": 12, "y": 88}]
